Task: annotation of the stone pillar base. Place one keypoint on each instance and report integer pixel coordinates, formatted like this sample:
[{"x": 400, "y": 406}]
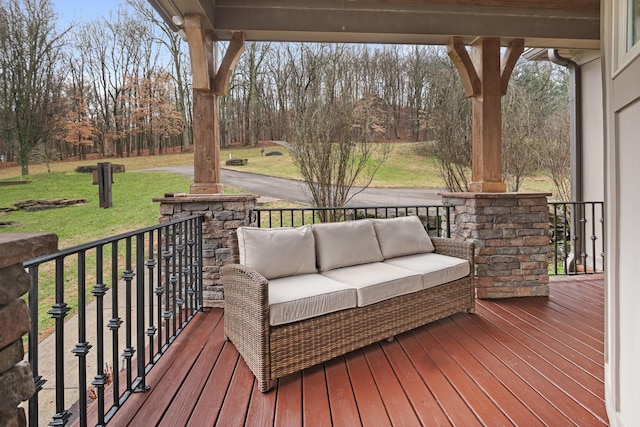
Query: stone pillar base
[
  {"x": 223, "y": 214},
  {"x": 511, "y": 236}
]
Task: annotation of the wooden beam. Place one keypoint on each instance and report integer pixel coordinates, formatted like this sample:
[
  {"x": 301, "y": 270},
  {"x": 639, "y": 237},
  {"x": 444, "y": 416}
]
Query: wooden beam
[
  {"x": 513, "y": 52},
  {"x": 200, "y": 73},
  {"x": 460, "y": 57},
  {"x": 231, "y": 58}
]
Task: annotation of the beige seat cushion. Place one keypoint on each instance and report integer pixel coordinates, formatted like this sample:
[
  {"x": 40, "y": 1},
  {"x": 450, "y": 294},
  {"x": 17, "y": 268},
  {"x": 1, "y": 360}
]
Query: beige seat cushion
[
  {"x": 402, "y": 236},
  {"x": 340, "y": 244},
  {"x": 377, "y": 281},
  {"x": 435, "y": 269},
  {"x": 277, "y": 252},
  {"x": 301, "y": 297}
]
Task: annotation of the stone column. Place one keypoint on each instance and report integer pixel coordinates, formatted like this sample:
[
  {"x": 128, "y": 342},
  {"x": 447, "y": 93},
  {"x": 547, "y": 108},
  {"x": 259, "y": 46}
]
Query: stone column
[
  {"x": 223, "y": 214},
  {"x": 16, "y": 377},
  {"x": 511, "y": 236}
]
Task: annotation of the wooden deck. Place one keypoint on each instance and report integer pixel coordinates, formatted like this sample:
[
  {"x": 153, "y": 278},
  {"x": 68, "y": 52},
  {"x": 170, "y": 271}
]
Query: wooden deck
[{"x": 522, "y": 362}]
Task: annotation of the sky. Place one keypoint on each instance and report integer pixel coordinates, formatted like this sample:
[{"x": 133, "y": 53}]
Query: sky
[{"x": 80, "y": 11}]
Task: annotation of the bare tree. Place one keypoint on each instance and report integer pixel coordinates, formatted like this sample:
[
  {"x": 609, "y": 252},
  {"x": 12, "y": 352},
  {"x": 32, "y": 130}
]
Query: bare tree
[
  {"x": 179, "y": 61},
  {"x": 537, "y": 92},
  {"x": 417, "y": 81},
  {"x": 329, "y": 132},
  {"x": 30, "y": 84},
  {"x": 448, "y": 116},
  {"x": 520, "y": 136},
  {"x": 556, "y": 158},
  {"x": 250, "y": 68}
]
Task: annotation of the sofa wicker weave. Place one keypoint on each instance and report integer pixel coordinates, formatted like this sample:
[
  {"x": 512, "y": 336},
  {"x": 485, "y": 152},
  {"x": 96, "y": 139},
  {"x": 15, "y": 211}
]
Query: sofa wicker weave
[{"x": 273, "y": 345}]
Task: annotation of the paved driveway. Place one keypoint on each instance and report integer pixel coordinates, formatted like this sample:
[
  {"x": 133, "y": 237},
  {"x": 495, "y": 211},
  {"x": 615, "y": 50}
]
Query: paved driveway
[{"x": 294, "y": 191}]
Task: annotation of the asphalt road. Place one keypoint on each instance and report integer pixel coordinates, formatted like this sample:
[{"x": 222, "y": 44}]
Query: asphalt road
[{"x": 294, "y": 191}]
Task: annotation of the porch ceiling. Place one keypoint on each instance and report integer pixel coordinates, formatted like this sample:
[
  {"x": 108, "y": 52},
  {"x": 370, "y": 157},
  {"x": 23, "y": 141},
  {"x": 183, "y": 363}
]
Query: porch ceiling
[{"x": 571, "y": 24}]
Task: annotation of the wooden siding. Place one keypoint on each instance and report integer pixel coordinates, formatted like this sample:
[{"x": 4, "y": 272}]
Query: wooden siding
[{"x": 523, "y": 362}]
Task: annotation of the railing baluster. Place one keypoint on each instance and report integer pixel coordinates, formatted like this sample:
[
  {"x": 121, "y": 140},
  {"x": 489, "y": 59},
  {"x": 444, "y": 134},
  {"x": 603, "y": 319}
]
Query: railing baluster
[
  {"x": 58, "y": 311},
  {"x": 583, "y": 234},
  {"x": 99, "y": 290},
  {"x": 140, "y": 329},
  {"x": 128, "y": 352},
  {"x": 178, "y": 273},
  {"x": 555, "y": 238},
  {"x": 166, "y": 256},
  {"x": 82, "y": 347},
  {"x": 33, "y": 345},
  {"x": 188, "y": 270},
  {"x": 174, "y": 279},
  {"x": 602, "y": 231},
  {"x": 159, "y": 289},
  {"x": 151, "y": 329},
  {"x": 199, "y": 221},
  {"x": 114, "y": 323},
  {"x": 593, "y": 235},
  {"x": 566, "y": 248}
]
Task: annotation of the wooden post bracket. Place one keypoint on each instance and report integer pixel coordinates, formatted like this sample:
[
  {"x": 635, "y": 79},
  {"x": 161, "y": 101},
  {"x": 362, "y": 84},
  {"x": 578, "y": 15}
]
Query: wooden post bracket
[
  {"x": 508, "y": 62},
  {"x": 201, "y": 77},
  {"x": 461, "y": 59},
  {"x": 229, "y": 62},
  {"x": 470, "y": 80}
]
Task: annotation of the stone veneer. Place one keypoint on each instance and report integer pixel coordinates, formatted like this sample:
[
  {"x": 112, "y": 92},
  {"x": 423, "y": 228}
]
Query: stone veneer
[
  {"x": 511, "y": 236},
  {"x": 223, "y": 214},
  {"x": 16, "y": 377}
]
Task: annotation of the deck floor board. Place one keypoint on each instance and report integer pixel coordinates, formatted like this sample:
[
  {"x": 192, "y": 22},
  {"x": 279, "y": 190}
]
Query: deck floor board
[{"x": 525, "y": 361}]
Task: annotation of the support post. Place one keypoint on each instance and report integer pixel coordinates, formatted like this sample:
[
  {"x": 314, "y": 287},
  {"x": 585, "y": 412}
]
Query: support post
[
  {"x": 208, "y": 84},
  {"x": 485, "y": 79}
]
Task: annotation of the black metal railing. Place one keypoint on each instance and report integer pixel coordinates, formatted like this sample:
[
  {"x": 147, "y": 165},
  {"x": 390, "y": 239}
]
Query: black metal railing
[
  {"x": 436, "y": 219},
  {"x": 576, "y": 229},
  {"x": 155, "y": 279},
  {"x": 576, "y": 234}
]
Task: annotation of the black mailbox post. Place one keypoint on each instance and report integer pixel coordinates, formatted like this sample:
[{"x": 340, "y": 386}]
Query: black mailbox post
[{"x": 105, "y": 179}]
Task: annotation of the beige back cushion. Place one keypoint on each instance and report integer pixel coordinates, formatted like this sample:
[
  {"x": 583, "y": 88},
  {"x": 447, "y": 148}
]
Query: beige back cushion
[
  {"x": 277, "y": 252},
  {"x": 402, "y": 236},
  {"x": 340, "y": 244}
]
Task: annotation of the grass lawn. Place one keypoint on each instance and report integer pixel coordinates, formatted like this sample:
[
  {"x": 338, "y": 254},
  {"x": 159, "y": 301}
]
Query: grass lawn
[
  {"x": 132, "y": 195},
  {"x": 403, "y": 169}
]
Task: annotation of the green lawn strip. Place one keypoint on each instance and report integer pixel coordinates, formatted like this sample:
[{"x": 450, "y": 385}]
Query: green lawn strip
[
  {"x": 132, "y": 195},
  {"x": 133, "y": 208},
  {"x": 130, "y": 163}
]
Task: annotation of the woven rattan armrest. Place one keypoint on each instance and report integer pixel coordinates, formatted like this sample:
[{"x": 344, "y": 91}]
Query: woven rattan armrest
[
  {"x": 246, "y": 316},
  {"x": 464, "y": 250}
]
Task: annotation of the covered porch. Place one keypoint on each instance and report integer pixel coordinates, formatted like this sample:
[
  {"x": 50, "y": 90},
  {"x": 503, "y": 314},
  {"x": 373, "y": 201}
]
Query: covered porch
[{"x": 522, "y": 361}]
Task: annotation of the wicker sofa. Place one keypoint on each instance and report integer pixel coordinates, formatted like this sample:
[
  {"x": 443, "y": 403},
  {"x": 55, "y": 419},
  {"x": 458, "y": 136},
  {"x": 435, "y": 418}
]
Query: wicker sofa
[{"x": 303, "y": 295}]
